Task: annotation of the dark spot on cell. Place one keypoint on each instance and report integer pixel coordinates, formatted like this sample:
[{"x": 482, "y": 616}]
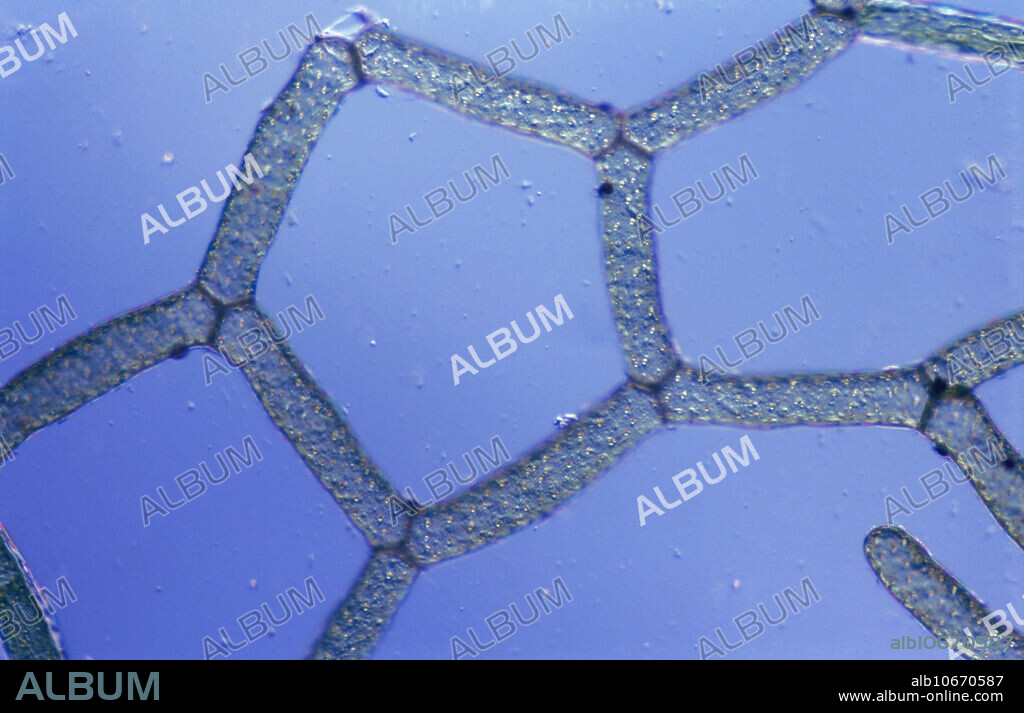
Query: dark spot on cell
[
  {"x": 937, "y": 387},
  {"x": 942, "y": 450},
  {"x": 848, "y": 13},
  {"x": 605, "y": 189},
  {"x": 179, "y": 353}
]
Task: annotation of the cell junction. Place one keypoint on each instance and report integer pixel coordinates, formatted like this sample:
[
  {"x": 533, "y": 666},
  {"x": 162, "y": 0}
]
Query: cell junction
[{"x": 660, "y": 388}]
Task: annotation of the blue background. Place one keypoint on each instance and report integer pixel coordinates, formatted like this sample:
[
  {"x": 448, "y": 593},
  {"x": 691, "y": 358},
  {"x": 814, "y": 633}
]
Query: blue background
[{"x": 86, "y": 128}]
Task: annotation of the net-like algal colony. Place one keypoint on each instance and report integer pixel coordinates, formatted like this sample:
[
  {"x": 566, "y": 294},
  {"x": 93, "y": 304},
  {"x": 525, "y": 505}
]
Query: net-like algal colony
[{"x": 659, "y": 388}]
